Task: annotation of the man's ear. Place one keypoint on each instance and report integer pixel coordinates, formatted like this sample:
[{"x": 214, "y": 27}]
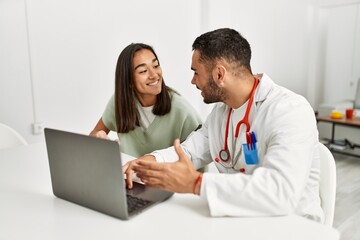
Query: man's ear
[{"x": 218, "y": 74}]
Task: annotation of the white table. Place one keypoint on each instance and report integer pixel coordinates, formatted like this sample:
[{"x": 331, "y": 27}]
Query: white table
[{"x": 29, "y": 210}]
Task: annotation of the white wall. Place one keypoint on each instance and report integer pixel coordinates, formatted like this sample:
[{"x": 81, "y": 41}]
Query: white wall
[
  {"x": 74, "y": 47},
  {"x": 62, "y": 72},
  {"x": 16, "y": 108},
  {"x": 278, "y": 32}
]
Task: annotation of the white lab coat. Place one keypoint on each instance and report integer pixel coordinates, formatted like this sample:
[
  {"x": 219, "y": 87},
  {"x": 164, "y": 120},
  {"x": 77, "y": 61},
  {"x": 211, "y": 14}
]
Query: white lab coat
[{"x": 285, "y": 181}]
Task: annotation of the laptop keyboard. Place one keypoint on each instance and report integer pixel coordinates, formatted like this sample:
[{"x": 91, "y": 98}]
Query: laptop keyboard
[{"x": 135, "y": 204}]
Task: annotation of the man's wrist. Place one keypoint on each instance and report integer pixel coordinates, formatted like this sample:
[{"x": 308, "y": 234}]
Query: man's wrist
[{"x": 197, "y": 184}]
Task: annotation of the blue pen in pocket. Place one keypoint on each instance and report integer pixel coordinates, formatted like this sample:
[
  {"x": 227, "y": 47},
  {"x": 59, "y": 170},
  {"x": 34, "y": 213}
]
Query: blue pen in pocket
[{"x": 250, "y": 150}]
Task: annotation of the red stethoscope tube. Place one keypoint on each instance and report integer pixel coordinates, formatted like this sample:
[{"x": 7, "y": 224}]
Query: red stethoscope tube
[{"x": 224, "y": 153}]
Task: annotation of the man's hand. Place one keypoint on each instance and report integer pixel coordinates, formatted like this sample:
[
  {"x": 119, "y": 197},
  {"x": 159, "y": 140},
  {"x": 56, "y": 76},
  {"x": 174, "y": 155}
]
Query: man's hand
[{"x": 178, "y": 176}]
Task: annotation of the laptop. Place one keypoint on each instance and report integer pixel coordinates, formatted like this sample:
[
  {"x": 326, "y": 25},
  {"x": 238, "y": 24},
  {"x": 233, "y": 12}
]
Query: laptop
[{"x": 88, "y": 171}]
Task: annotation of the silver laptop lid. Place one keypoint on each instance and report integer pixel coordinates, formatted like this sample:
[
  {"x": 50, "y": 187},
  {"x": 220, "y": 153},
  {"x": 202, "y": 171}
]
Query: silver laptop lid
[{"x": 88, "y": 171}]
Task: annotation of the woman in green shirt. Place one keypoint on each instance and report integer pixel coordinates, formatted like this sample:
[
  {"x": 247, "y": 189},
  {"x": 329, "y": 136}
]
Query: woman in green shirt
[{"x": 146, "y": 114}]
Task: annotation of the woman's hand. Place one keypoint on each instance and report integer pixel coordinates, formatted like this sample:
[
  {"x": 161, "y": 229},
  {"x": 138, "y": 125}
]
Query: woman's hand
[
  {"x": 128, "y": 168},
  {"x": 100, "y": 134}
]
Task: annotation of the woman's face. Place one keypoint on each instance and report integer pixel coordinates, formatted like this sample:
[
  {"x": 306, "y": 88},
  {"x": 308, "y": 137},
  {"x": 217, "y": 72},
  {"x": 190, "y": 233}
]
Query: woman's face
[{"x": 147, "y": 77}]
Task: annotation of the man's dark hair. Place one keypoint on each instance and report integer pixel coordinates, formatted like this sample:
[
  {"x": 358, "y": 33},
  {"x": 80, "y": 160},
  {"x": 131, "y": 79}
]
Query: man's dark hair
[{"x": 223, "y": 43}]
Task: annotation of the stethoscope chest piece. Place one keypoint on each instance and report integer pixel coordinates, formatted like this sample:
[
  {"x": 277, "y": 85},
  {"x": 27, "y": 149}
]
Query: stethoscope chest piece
[{"x": 224, "y": 155}]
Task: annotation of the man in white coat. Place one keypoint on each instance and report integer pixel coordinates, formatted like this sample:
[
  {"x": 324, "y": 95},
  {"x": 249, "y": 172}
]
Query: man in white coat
[{"x": 262, "y": 138}]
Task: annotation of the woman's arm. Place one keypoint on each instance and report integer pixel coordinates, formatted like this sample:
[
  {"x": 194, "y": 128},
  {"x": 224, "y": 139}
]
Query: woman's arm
[{"x": 100, "y": 130}]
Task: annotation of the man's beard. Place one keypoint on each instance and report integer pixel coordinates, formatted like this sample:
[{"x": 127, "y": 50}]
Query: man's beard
[{"x": 212, "y": 93}]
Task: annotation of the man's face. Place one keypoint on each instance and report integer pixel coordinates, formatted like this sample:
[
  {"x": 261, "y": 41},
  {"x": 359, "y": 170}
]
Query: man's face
[{"x": 204, "y": 81}]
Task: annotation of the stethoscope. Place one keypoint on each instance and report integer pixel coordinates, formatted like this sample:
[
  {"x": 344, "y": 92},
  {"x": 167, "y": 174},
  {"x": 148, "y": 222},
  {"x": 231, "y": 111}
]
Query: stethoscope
[{"x": 224, "y": 153}]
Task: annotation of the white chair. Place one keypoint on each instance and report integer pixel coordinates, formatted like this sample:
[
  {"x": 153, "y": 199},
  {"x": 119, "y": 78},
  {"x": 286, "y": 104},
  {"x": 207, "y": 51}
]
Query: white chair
[
  {"x": 9, "y": 137},
  {"x": 327, "y": 183}
]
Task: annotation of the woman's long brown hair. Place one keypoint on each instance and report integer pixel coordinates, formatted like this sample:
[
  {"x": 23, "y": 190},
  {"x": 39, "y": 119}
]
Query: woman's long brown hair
[{"x": 127, "y": 116}]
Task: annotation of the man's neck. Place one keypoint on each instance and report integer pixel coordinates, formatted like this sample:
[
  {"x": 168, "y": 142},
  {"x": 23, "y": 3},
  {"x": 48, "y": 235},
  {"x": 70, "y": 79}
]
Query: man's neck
[{"x": 239, "y": 91}]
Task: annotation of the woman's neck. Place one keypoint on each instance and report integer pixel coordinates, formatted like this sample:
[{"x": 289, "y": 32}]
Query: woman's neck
[{"x": 146, "y": 100}]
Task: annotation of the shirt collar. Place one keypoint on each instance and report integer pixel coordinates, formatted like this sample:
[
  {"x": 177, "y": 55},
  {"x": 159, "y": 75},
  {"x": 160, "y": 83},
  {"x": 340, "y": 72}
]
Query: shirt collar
[{"x": 264, "y": 88}]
